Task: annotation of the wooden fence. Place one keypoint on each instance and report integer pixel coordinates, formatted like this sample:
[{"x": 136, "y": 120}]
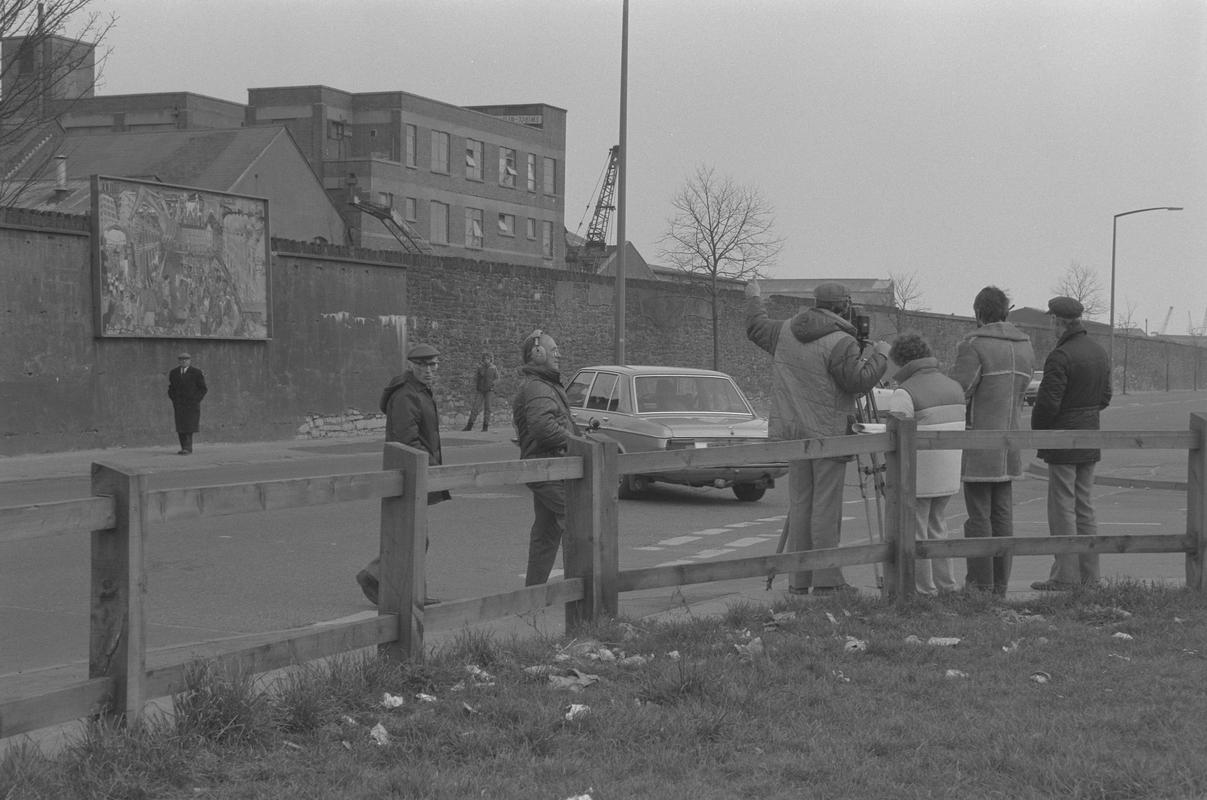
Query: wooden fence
[{"x": 122, "y": 513}]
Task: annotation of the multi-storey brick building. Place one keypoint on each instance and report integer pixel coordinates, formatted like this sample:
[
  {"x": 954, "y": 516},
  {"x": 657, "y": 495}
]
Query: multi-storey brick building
[
  {"x": 483, "y": 182},
  {"x": 479, "y": 182}
]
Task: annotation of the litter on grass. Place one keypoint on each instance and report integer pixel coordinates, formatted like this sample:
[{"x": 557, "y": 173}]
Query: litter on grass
[
  {"x": 955, "y": 673},
  {"x": 425, "y": 698},
  {"x": 1041, "y": 677},
  {"x": 574, "y": 680},
  {"x": 391, "y": 700},
  {"x": 1127, "y": 637},
  {"x": 752, "y": 650},
  {"x": 379, "y": 734},
  {"x": 934, "y": 641},
  {"x": 853, "y": 645},
  {"x": 576, "y": 710}
]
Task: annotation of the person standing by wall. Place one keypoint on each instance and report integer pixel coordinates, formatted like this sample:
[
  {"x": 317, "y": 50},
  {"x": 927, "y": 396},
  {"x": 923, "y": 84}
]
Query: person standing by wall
[
  {"x": 1075, "y": 388},
  {"x": 411, "y": 419},
  {"x": 936, "y": 402},
  {"x": 484, "y": 385},
  {"x": 993, "y": 364},
  {"x": 186, "y": 389},
  {"x": 819, "y": 367},
  {"x": 541, "y": 415}
]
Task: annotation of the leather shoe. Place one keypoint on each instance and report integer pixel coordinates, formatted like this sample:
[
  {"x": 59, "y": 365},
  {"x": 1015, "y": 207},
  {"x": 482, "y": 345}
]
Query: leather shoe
[{"x": 1052, "y": 586}]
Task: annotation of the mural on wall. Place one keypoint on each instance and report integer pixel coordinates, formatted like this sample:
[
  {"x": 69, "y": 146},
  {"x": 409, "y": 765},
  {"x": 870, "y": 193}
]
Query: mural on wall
[{"x": 175, "y": 262}]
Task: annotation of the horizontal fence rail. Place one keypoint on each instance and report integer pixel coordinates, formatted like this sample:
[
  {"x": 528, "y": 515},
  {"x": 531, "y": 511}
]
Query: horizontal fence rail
[{"x": 123, "y": 512}]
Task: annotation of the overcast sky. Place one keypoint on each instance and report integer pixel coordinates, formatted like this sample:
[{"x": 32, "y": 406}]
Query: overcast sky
[{"x": 967, "y": 141}]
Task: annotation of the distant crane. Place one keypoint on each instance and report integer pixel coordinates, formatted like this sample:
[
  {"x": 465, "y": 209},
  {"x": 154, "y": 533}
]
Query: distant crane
[
  {"x": 1165, "y": 324},
  {"x": 1199, "y": 331},
  {"x": 591, "y": 253}
]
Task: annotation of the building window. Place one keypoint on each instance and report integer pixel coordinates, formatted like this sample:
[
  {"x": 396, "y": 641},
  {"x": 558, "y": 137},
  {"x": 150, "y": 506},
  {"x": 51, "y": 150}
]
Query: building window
[
  {"x": 439, "y": 227},
  {"x": 507, "y": 167},
  {"x": 473, "y": 228},
  {"x": 473, "y": 159},
  {"x": 531, "y": 172},
  {"x": 440, "y": 152},
  {"x": 410, "y": 209},
  {"x": 531, "y": 228},
  {"x": 335, "y": 130},
  {"x": 411, "y": 135},
  {"x": 547, "y": 239},
  {"x": 507, "y": 224},
  {"x": 549, "y": 176},
  {"x": 385, "y": 199}
]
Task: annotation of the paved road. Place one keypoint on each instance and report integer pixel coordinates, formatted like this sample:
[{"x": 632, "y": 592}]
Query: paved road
[{"x": 243, "y": 574}]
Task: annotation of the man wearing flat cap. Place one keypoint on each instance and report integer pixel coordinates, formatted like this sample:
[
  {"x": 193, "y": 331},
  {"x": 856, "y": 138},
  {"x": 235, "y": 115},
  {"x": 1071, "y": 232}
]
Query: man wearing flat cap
[
  {"x": 186, "y": 388},
  {"x": 411, "y": 419},
  {"x": 818, "y": 370},
  {"x": 1075, "y": 388}
]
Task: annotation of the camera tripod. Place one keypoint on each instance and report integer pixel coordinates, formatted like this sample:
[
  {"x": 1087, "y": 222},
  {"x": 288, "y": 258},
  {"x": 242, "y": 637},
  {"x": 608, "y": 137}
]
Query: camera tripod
[{"x": 873, "y": 471}]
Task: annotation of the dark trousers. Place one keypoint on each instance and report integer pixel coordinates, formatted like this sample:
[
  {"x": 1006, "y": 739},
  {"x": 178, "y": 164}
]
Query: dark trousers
[
  {"x": 990, "y": 513},
  {"x": 480, "y": 402},
  {"x": 548, "y": 525},
  {"x": 186, "y": 441}
]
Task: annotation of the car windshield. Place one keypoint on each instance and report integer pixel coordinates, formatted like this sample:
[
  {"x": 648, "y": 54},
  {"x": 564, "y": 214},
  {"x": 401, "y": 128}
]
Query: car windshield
[{"x": 709, "y": 393}]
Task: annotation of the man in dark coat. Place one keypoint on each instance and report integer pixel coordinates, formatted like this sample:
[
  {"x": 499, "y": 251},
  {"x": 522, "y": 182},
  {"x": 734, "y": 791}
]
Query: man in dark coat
[
  {"x": 484, "y": 385},
  {"x": 541, "y": 415},
  {"x": 1075, "y": 388},
  {"x": 411, "y": 419},
  {"x": 186, "y": 388}
]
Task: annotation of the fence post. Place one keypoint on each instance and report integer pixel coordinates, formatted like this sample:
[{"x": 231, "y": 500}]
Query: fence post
[
  {"x": 403, "y": 586},
  {"x": 1196, "y": 506},
  {"x": 900, "y": 493},
  {"x": 117, "y": 644},
  {"x": 590, "y": 541}
]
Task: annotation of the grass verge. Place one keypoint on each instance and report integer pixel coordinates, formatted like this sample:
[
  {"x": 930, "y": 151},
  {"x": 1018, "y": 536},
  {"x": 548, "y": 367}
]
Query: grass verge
[{"x": 1095, "y": 694}]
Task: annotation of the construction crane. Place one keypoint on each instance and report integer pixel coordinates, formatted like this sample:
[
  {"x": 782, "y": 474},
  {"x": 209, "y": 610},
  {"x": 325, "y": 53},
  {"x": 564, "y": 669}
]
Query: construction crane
[
  {"x": 1165, "y": 324},
  {"x": 398, "y": 227},
  {"x": 594, "y": 248}
]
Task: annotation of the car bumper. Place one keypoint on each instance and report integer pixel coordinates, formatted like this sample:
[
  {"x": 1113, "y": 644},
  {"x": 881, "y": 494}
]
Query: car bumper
[{"x": 724, "y": 477}]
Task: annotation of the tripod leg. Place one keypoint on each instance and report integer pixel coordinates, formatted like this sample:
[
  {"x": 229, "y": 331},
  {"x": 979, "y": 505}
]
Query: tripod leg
[
  {"x": 779, "y": 549},
  {"x": 867, "y": 510}
]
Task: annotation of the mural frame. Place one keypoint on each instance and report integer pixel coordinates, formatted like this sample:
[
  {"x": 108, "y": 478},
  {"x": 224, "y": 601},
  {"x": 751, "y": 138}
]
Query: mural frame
[{"x": 179, "y": 262}]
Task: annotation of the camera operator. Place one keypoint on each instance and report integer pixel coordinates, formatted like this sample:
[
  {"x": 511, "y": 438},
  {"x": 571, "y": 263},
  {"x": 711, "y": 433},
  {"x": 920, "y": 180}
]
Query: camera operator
[{"x": 821, "y": 362}]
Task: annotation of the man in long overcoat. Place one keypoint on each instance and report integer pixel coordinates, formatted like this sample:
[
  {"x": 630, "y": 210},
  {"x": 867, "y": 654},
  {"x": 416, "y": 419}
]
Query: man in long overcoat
[{"x": 186, "y": 388}]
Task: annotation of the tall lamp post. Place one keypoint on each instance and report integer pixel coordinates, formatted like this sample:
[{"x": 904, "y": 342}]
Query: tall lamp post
[{"x": 1114, "y": 231}]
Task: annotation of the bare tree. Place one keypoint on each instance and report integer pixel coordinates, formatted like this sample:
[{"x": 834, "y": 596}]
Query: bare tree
[
  {"x": 907, "y": 294},
  {"x": 45, "y": 69},
  {"x": 720, "y": 232},
  {"x": 1082, "y": 284}
]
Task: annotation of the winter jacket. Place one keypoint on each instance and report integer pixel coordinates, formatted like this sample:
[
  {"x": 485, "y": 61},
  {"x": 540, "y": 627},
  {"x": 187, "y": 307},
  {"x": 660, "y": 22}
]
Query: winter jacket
[
  {"x": 1076, "y": 386},
  {"x": 818, "y": 370},
  {"x": 994, "y": 365},
  {"x": 541, "y": 413},
  {"x": 485, "y": 377},
  {"x": 412, "y": 419},
  {"x": 936, "y": 402}
]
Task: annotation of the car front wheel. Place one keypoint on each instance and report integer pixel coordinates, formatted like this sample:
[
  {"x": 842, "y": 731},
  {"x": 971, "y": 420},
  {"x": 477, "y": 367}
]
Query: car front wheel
[{"x": 749, "y": 492}]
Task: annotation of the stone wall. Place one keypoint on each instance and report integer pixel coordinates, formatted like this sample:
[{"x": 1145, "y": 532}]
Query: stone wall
[{"x": 341, "y": 320}]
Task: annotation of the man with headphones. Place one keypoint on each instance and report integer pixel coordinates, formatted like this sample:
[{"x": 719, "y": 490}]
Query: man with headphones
[
  {"x": 544, "y": 428},
  {"x": 818, "y": 369}
]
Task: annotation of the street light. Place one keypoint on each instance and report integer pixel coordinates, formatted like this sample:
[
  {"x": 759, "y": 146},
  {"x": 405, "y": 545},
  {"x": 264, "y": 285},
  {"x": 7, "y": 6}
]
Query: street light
[{"x": 1114, "y": 229}]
